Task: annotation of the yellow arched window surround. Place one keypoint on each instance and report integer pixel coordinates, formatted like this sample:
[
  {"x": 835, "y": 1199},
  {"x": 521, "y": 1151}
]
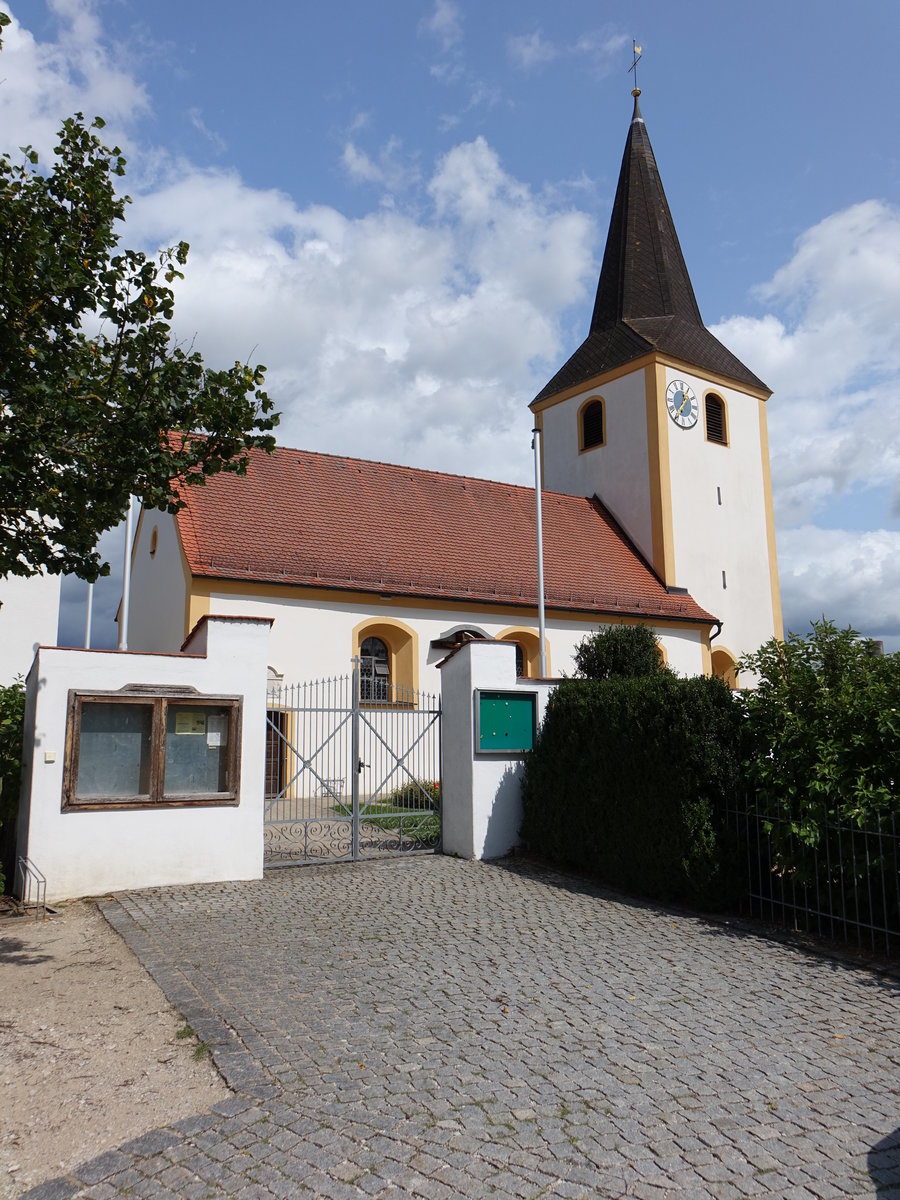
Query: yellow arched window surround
[
  {"x": 724, "y": 666},
  {"x": 527, "y": 639},
  {"x": 402, "y": 645},
  {"x": 592, "y": 424},
  {"x": 715, "y": 418}
]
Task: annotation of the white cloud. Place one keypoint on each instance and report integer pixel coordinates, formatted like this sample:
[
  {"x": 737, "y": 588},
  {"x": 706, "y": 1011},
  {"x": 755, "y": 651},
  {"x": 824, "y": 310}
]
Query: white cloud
[
  {"x": 831, "y": 352},
  {"x": 410, "y": 336},
  {"x": 444, "y": 23},
  {"x": 195, "y": 116},
  {"x": 43, "y": 82},
  {"x": 852, "y": 578},
  {"x": 390, "y": 171},
  {"x": 529, "y": 50}
]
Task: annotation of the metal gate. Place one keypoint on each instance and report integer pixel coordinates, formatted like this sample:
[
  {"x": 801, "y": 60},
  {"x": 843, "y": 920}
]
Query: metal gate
[{"x": 348, "y": 776}]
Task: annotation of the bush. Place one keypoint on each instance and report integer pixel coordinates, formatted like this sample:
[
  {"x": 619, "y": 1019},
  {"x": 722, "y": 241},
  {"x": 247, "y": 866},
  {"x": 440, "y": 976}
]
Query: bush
[
  {"x": 12, "y": 719},
  {"x": 824, "y": 724},
  {"x": 620, "y": 652},
  {"x": 628, "y": 781},
  {"x": 422, "y": 794}
]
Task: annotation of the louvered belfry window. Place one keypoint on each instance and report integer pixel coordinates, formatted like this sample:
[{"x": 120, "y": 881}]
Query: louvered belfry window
[
  {"x": 592, "y": 425},
  {"x": 715, "y": 419}
]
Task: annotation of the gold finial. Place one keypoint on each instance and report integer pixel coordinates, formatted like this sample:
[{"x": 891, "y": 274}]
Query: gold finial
[{"x": 636, "y": 91}]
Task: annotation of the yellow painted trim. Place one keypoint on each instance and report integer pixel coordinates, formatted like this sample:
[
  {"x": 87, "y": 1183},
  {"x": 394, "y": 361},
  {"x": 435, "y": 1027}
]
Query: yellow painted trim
[
  {"x": 726, "y": 418},
  {"x": 593, "y": 384},
  {"x": 197, "y": 604},
  {"x": 728, "y": 668},
  {"x": 777, "y": 620},
  {"x": 402, "y": 642},
  {"x": 531, "y": 647},
  {"x": 638, "y": 364},
  {"x": 661, "y": 519},
  {"x": 706, "y": 653},
  {"x": 594, "y": 398}
]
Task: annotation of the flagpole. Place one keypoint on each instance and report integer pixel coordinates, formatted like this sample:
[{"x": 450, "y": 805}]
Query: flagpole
[
  {"x": 89, "y": 617},
  {"x": 126, "y": 581},
  {"x": 542, "y": 632}
]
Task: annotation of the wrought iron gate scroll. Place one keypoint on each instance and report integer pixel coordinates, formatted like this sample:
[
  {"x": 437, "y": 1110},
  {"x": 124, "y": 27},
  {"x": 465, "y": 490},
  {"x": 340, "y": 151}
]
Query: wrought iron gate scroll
[{"x": 350, "y": 778}]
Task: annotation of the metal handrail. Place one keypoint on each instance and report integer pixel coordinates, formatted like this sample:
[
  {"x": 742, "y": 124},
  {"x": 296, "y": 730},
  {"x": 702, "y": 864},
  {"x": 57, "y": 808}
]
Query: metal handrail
[{"x": 31, "y": 877}]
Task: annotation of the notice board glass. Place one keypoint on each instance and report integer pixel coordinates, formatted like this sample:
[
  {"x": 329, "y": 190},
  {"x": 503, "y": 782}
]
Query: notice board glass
[{"x": 505, "y": 722}]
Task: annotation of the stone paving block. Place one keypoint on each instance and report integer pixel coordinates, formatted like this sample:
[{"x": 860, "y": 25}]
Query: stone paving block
[
  {"x": 640, "y": 1049},
  {"x": 53, "y": 1189}
]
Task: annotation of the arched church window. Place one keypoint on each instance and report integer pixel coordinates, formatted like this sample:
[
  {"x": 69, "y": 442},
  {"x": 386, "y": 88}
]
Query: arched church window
[
  {"x": 520, "y": 662},
  {"x": 715, "y": 419},
  {"x": 374, "y": 671},
  {"x": 592, "y": 430}
]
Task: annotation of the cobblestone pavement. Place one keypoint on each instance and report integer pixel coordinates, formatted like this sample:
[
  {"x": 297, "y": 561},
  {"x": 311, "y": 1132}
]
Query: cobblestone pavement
[{"x": 436, "y": 1028}]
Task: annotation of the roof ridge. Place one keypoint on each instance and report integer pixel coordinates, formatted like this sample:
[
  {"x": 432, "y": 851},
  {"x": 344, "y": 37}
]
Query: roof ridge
[{"x": 375, "y": 462}]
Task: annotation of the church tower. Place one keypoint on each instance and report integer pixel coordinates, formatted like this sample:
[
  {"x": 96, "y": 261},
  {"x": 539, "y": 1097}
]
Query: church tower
[{"x": 655, "y": 417}]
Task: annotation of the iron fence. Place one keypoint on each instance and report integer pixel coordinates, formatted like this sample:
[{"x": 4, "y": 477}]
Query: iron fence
[{"x": 841, "y": 883}]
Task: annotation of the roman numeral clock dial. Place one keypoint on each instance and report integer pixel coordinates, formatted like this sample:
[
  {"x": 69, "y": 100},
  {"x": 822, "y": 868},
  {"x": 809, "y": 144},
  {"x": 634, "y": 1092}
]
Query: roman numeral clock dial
[{"x": 682, "y": 404}]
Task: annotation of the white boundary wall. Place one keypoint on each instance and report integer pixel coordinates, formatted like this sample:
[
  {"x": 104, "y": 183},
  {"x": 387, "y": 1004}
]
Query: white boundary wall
[
  {"x": 29, "y": 618},
  {"x": 481, "y": 793},
  {"x": 86, "y": 853}
]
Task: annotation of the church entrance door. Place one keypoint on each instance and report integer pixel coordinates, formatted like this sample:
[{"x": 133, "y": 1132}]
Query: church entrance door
[{"x": 351, "y": 773}]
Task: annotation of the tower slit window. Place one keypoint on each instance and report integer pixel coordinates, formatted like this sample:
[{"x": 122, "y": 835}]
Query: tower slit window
[
  {"x": 715, "y": 420},
  {"x": 592, "y": 425}
]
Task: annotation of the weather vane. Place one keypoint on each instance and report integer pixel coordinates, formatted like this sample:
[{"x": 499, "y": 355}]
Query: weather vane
[{"x": 637, "y": 58}]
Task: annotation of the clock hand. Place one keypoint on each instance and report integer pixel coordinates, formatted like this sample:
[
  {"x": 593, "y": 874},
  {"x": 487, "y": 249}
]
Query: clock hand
[{"x": 683, "y": 402}]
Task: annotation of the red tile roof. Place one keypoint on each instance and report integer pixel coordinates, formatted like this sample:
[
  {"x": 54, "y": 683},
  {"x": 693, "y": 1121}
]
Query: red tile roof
[{"x": 319, "y": 520}]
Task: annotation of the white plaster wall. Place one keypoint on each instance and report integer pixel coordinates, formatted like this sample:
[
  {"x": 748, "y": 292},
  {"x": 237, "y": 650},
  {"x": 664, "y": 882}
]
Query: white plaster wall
[
  {"x": 314, "y": 639},
  {"x": 618, "y": 471},
  {"x": 709, "y": 537},
  {"x": 85, "y": 853},
  {"x": 481, "y": 793},
  {"x": 29, "y": 617},
  {"x": 157, "y": 607}
]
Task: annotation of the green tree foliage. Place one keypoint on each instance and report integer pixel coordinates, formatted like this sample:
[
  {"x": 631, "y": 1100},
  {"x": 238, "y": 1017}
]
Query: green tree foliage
[
  {"x": 620, "y": 652},
  {"x": 629, "y": 779},
  {"x": 97, "y": 401},
  {"x": 12, "y": 717},
  {"x": 825, "y": 727}
]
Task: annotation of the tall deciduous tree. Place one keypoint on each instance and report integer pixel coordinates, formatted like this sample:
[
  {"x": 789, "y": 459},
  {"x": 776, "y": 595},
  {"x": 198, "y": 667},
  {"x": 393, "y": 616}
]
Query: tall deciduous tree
[{"x": 97, "y": 402}]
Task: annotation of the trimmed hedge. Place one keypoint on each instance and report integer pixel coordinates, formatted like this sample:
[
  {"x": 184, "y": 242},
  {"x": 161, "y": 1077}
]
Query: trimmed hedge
[{"x": 628, "y": 781}]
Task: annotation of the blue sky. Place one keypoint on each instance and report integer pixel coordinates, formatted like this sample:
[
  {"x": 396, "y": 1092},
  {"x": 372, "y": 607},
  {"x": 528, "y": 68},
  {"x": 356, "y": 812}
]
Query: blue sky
[{"x": 400, "y": 208}]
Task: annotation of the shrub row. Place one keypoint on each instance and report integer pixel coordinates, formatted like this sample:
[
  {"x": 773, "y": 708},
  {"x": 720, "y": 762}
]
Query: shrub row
[{"x": 628, "y": 781}]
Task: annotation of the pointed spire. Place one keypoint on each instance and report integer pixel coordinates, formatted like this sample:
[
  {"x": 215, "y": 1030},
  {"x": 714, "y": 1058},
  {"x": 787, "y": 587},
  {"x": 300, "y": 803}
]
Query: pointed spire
[
  {"x": 645, "y": 300},
  {"x": 644, "y": 273}
]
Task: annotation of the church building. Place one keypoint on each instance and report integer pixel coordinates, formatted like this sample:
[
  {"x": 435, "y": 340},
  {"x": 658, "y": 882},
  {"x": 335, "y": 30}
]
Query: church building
[{"x": 657, "y": 509}]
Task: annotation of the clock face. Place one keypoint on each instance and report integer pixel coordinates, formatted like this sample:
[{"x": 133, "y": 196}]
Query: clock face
[{"x": 682, "y": 404}]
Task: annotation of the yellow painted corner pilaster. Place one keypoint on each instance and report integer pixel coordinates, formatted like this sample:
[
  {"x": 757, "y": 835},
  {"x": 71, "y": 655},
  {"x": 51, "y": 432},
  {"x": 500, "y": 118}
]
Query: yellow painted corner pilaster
[
  {"x": 777, "y": 619},
  {"x": 706, "y": 652},
  {"x": 661, "y": 522},
  {"x": 197, "y": 605}
]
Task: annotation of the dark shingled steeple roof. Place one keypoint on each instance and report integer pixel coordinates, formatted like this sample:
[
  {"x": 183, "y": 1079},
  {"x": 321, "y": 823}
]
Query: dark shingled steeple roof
[{"x": 645, "y": 300}]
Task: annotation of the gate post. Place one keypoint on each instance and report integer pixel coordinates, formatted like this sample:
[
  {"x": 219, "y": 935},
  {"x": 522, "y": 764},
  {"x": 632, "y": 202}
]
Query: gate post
[
  {"x": 355, "y": 762},
  {"x": 482, "y": 799}
]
